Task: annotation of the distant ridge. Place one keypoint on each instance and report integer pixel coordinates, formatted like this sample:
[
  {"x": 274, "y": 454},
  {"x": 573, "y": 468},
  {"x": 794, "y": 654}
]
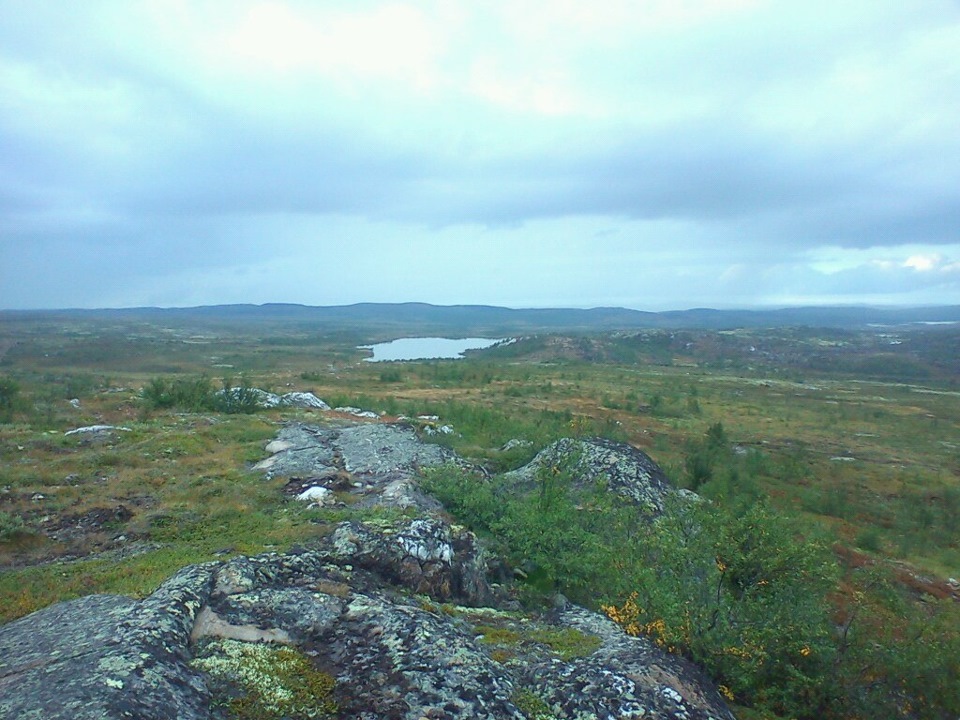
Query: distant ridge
[{"x": 417, "y": 317}]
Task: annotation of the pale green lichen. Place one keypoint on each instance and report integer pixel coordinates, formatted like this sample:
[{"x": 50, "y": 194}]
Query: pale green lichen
[
  {"x": 272, "y": 681},
  {"x": 117, "y": 665}
]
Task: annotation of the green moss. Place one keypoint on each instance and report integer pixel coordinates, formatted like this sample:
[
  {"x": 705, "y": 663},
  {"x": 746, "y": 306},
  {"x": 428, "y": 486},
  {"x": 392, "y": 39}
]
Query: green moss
[
  {"x": 532, "y": 705},
  {"x": 567, "y": 642},
  {"x": 498, "y": 635},
  {"x": 258, "y": 680}
]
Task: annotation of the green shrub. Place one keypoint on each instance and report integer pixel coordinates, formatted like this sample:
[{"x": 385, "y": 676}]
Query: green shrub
[
  {"x": 12, "y": 527},
  {"x": 898, "y": 658},
  {"x": 560, "y": 537},
  {"x": 193, "y": 395},
  {"x": 391, "y": 376},
  {"x": 9, "y": 398},
  {"x": 236, "y": 399},
  {"x": 741, "y": 592},
  {"x": 197, "y": 395}
]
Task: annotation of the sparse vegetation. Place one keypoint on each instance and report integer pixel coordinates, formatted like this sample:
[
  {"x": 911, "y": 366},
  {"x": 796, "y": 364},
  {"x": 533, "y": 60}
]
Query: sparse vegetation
[{"x": 833, "y": 452}]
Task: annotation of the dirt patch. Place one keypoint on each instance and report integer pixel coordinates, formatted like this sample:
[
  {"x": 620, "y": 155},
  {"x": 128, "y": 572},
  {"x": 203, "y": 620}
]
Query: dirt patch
[{"x": 907, "y": 575}]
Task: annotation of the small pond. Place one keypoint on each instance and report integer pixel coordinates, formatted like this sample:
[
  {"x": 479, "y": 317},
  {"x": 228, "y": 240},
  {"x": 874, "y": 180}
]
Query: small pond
[{"x": 426, "y": 348}]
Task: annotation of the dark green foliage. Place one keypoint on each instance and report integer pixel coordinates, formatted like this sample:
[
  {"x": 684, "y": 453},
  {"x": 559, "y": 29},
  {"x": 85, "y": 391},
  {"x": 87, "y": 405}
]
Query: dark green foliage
[
  {"x": 236, "y": 399},
  {"x": 194, "y": 395},
  {"x": 741, "y": 591},
  {"x": 197, "y": 395},
  {"x": 703, "y": 457},
  {"x": 491, "y": 427},
  {"x": 9, "y": 398},
  {"x": 12, "y": 527},
  {"x": 558, "y": 536}
]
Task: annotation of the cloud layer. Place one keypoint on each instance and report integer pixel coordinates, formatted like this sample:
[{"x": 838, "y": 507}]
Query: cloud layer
[{"x": 651, "y": 154}]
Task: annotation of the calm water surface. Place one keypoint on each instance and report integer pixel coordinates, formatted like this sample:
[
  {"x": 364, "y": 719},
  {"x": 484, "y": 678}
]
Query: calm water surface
[{"x": 426, "y": 348}]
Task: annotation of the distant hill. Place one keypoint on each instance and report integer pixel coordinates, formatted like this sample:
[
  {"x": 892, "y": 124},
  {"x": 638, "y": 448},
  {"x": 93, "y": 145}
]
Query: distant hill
[{"x": 421, "y": 318}]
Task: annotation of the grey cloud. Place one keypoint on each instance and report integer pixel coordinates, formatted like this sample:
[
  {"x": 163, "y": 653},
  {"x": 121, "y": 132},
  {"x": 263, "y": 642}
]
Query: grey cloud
[{"x": 726, "y": 139}]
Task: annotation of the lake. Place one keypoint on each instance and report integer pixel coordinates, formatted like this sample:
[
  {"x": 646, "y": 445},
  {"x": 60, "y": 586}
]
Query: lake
[{"x": 426, "y": 348}]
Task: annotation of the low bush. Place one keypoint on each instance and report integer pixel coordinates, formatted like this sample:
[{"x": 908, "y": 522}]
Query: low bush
[
  {"x": 9, "y": 398},
  {"x": 12, "y": 527},
  {"x": 747, "y": 593}
]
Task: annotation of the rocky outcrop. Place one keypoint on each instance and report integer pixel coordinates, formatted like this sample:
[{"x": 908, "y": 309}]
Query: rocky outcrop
[
  {"x": 396, "y": 611},
  {"x": 426, "y": 555},
  {"x": 97, "y": 430},
  {"x": 375, "y": 461},
  {"x": 265, "y": 399},
  {"x": 622, "y": 468},
  {"x": 104, "y": 656}
]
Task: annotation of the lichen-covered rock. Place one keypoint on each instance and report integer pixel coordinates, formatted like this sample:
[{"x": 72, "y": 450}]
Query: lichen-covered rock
[
  {"x": 374, "y": 453},
  {"x": 107, "y": 657},
  {"x": 626, "y": 470},
  {"x": 389, "y": 655},
  {"x": 403, "y": 494},
  {"x": 625, "y": 677},
  {"x": 425, "y": 555},
  {"x": 96, "y": 430},
  {"x": 355, "y": 614},
  {"x": 385, "y": 452},
  {"x": 403, "y": 662}
]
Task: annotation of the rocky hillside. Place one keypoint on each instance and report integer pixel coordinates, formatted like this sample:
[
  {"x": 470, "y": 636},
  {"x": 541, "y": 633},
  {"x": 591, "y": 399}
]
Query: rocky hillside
[{"x": 396, "y": 616}]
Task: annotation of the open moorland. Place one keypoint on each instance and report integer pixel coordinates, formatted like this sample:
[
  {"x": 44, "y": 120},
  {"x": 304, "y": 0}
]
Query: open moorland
[{"x": 851, "y": 433}]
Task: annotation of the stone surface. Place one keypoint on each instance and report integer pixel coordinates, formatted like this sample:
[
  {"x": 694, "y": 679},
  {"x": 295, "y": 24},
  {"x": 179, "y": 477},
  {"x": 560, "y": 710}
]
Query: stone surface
[
  {"x": 302, "y": 400},
  {"x": 103, "y": 656},
  {"x": 363, "y": 604},
  {"x": 626, "y": 677},
  {"x": 357, "y": 412},
  {"x": 372, "y": 453},
  {"x": 425, "y": 555},
  {"x": 626, "y": 470},
  {"x": 316, "y": 495},
  {"x": 97, "y": 429}
]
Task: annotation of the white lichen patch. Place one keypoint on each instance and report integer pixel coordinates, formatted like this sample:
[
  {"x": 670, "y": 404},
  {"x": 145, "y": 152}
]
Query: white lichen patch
[{"x": 277, "y": 681}]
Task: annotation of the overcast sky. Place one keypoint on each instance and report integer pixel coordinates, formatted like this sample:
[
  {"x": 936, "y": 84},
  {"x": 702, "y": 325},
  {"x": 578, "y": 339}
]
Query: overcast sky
[{"x": 654, "y": 154}]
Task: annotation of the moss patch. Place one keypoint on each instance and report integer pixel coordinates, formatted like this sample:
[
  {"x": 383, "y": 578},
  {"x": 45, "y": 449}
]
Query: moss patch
[
  {"x": 532, "y": 705},
  {"x": 568, "y": 643}
]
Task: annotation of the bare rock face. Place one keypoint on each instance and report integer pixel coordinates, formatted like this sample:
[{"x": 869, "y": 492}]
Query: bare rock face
[
  {"x": 397, "y": 612},
  {"x": 374, "y": 453},
  {"x": 426, "y": 555}
]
